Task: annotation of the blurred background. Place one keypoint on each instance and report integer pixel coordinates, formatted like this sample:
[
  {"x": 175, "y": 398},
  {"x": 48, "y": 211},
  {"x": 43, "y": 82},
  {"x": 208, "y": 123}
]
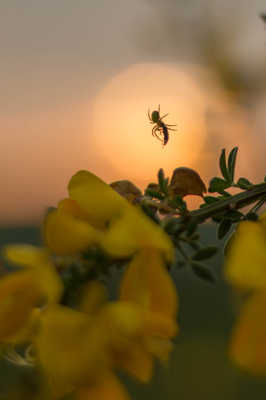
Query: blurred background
[{"x": 76, "y": 82}]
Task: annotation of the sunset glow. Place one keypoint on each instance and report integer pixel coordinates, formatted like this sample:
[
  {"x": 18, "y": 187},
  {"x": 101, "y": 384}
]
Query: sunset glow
[
  {"x": 111, "y": 136},
  {"x": 123, "y": 133}
]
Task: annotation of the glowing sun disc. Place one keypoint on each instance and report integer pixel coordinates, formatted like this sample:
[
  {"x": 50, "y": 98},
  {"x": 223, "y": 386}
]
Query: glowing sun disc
[{"x": 121, "y": 129}]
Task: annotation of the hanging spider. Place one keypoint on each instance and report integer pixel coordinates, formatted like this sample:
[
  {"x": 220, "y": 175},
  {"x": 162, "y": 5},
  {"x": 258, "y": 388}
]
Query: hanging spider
[{"x": 160, "y": 130}]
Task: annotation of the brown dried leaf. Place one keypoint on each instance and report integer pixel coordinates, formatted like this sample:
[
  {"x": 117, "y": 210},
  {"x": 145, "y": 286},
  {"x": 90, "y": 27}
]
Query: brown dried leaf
[
  {"x": 126, "y": 189},
  {"x": 185, "y": 181}
]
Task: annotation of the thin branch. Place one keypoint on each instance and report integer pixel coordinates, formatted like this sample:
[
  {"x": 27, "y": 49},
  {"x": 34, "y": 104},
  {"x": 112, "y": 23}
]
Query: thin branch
[{"x": 236, "y": 202}]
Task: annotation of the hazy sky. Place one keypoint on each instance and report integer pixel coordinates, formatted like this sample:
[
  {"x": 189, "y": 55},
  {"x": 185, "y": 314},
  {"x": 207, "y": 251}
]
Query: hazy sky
[{"x": 57, "y": 56}]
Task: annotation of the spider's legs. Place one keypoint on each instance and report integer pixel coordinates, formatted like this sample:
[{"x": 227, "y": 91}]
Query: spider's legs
[
  {"x": 158, "y": 133},
  {"x": 164, "y": 116},
  {"x": 149, "y": 115}
]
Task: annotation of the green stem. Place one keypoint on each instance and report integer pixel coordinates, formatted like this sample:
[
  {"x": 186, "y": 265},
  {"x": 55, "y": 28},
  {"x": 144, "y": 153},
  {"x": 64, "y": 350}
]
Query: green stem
[{"x": 237, "y": 201}]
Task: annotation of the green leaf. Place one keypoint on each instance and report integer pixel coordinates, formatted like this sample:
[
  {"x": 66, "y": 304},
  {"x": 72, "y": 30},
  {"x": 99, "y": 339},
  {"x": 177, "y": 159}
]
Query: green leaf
[
  {"x": 223, "y": 166},
  {"x": 192, "y": 227},
  {"x": 153, "y": 193},
  {"x": 244, "y": 183},
  {"x": 194, "y": 245},
  {"x": 202, "y": 272},
  {"x": 163, "y": 182},
  {"x": 218, "y": 185},
  {"x": 252, "y": 216},
  {"x": 217, "y": 218},
  {"x": 224, "y": 227},
  {"x": 210, "y": 199},
  {"x": 172, "y": 225},
  {"x": 150, "y": 212},
  {"x": 205, "y": 253},
  {"x": 232, "y": 162},
  {"x": 234, "y": 215},
  {"x": 179, "y": 203},
  {"x": 202, "y": 205}
]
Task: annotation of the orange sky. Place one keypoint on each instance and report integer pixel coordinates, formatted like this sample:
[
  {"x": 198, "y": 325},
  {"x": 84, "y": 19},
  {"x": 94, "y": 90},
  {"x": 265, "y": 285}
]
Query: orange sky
[
  {"x": 76, "y": 83},
  {"x": 110, "y": 135}
]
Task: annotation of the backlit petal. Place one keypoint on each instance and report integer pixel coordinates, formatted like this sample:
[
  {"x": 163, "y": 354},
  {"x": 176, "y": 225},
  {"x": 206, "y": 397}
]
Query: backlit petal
[
  {"x": 67, "y": 235},
  {"x": 246, "y": 257},
  {"x": 248, "y": 346},
  {"x": 147, "y": 282},
  {"x": 100, "y": 202},
  {"x": 41, "y": 269},
  {"x": 133, "y": 231},
  {"x": 69, "y": 349},
  {"x": 107, "y": 388},
  {"x": 19, "y": 295}
]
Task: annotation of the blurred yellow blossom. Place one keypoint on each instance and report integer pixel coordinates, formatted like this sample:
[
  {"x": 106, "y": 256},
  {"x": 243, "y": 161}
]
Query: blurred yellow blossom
[
  {"x": 133, "y": 231},
  {"x": 24, "y": 290},
  {"x": 148, "y": 286},
  {"x": 97, "y": 199},
  {"x": 248, "y": 346},
  {"x": 246, "y": 268},
  {"x": 95, "y": 214},
  {"x": 246, "y": 256},
  {"x": 66, "y": 235},
  {"x": 79, "y": 350}
]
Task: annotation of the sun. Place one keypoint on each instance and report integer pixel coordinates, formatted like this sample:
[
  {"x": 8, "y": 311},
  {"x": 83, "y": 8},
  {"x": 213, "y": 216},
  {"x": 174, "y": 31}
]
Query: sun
[{"x": 121, "y": 129}]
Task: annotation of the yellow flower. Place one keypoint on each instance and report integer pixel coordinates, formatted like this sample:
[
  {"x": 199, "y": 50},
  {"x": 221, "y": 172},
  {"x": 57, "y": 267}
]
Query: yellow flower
[
  {"x": 78, "y": 350},
  {"x": 246, "y": 268},
  {"x": 24, "y": 290},
  {"x": 95, "y": 198},
  {"x": 141, "y": 324},
  {"x": 134, "y": 231},
  {"x": 248, "y": 346},
  {"x": 147, "y": 285},
  {"x": 95, "y": 214},
  {"x": 70, "y": 349},
  {"x": 246, "y": 257},
  {"x": 74, "y": 348},
  {"x": 67, "y": 235}
]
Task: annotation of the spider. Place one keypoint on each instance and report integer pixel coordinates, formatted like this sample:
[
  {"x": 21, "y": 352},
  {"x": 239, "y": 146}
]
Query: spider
[{"x": 160, "y": 129}]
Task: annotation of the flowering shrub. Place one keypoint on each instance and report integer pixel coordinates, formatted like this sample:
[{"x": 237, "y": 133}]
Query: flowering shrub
[{"x": 54, "y": 309}]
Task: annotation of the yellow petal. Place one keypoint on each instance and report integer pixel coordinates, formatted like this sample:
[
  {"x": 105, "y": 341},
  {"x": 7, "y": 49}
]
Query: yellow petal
[
  {"x": 246, "y": 258},
  {"x": 159, "y": 325},
  {"x": 248, "y": 346},
  {"x": 67, "y": 235},
  {"x": 133, "y": 231},
  {"x": 121, "y": 320},
  {"x": 147, "y": 282},
  {"x": 24, "y": 255},
  {"x": 94, "y": 297},
  {"x": 41, "y": 269},
  {"x": 137, "y": 362},
  {"x": 27, "y": 330},
  {"x": 19, "y": 295},
  {"x": 106, "y": 388},
  {"x": 69, "y": 349},
  {"x": 97, "y": 199},
  {"x": 71, "y": 206},
  {"x": 160, "y": 348}
]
